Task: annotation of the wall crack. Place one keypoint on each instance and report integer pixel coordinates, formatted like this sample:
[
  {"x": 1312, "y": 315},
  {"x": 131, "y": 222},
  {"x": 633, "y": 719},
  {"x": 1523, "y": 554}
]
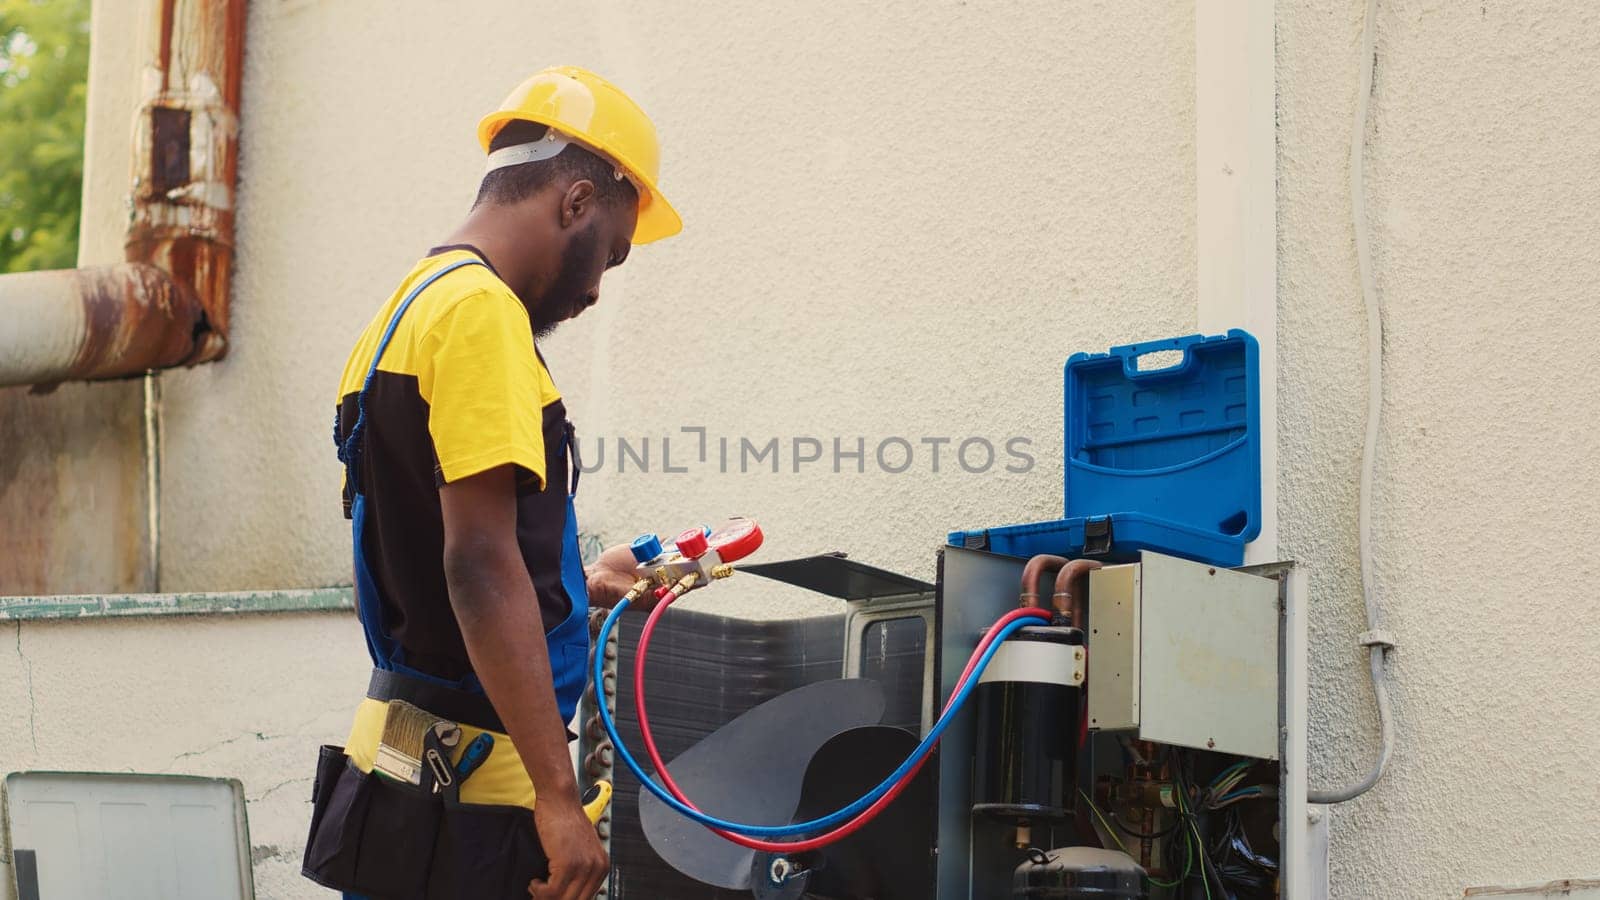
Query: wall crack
[
  {"x": 189, "y": 754},
  {"x": 33, "y": 703},
  {"x": 298, "y": 731},
  {"x": 282, "y": 784}
]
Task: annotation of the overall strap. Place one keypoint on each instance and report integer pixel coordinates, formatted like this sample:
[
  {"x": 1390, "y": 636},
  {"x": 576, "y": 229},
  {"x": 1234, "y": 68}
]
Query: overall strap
[
  {"x": 350, "y": 447},
  {"x": 569, "y": 436}
]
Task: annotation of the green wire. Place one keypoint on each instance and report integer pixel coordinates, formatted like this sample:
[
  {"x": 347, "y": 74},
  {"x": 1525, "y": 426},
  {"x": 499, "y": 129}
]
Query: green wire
[
  {"x": 1188, "y": 865},
  {"x": 1204, "y": 881},
  {"x": 1192, "y": 840},
  {"x": 1188, "y": 857},
  {"x": 1103, "y": 823}
]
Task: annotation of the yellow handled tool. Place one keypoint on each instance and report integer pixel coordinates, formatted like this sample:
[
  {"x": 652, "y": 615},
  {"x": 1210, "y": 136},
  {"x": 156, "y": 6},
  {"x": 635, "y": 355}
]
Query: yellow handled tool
[{"x": 595, "y": 800}]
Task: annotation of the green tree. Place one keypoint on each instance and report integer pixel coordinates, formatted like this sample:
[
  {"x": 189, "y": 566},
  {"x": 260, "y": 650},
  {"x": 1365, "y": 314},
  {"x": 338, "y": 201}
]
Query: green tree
[{"x": 44, "y": 64}]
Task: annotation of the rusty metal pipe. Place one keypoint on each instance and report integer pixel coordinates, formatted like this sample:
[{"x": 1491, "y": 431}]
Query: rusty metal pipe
[
  {"x": 1071, "y": 597},
  {"x": 1034, "y": 569},
  {"x": 168, "y": 305},
  {"x": 93, "y": 323},
  {"x": 186, "y": 155}
]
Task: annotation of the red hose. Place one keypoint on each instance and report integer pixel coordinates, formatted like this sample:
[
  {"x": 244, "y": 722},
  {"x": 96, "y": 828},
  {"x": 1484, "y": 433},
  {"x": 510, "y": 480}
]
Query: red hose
[{"x": 826, "y": 838}]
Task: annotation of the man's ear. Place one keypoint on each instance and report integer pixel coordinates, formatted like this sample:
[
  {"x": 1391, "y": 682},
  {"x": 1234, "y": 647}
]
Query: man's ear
[{"x": 577, "y": 202}]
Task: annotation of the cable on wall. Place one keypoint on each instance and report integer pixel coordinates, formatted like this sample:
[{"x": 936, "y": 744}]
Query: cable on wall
[{"x": 1375, "y": 639}]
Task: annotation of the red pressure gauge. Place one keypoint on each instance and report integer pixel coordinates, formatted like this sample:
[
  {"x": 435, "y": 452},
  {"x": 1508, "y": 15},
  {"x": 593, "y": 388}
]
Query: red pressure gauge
[{"x": 734, "y": 539}]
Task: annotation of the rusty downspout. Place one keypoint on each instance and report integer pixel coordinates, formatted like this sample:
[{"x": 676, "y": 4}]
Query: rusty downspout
[{"x": 168, "y": 304}]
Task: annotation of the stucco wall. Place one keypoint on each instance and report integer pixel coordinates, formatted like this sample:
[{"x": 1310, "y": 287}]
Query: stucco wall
[
  {"x": 887, "y": 235},
  {"x": 1483, "y": 143},
  {"x": 900, "y": 220}
]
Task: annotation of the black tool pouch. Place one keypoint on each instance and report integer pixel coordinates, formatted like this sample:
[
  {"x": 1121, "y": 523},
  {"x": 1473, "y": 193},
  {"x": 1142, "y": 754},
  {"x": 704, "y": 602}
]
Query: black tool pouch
[
  {"x": 369, "y": 835},
  {"x": 485, "y": 851},
  {"x": 391, "y": 841}
]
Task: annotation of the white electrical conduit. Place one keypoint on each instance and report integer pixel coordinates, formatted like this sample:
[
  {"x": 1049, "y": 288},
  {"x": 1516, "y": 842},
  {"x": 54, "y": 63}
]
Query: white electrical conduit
[{"x": 1377, "y": 642}]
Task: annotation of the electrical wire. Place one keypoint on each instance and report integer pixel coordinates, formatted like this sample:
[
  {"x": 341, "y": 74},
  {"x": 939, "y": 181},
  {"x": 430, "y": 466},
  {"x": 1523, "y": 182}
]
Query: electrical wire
[
  {"x": 1207, "y": 871},
  {"x": 1107, "y": 825},
  {"x": 1224, "y": 784},
  {"x": 1376, "y": 643},
  {"x": 1188, "y": 859},
  {"x": 963, "y": 690},
  {"x": 1237, "y": 796},
  {"x": 1249, "y": 878},
  {"x": 1239, "y": 844},
  {"x": 1193, "y": 831},
  {"x": 1188, "y": 866},
  {"x": 1142, "y": 835},
  {"x": 1235, "y": 771}
]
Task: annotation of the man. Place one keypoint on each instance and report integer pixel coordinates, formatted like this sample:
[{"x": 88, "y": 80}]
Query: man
[{"x": 460, "y": 472}]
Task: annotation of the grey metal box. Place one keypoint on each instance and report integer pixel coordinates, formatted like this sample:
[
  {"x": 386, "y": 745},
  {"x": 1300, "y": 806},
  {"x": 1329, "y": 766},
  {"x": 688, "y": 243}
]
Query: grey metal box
[
  {"x": 1185, "y": 654},
  {"x": 87, "y": 836}
]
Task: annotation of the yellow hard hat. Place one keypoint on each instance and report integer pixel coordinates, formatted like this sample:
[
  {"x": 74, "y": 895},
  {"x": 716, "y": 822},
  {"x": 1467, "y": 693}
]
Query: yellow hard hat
[{"x": 593, "y": 111}]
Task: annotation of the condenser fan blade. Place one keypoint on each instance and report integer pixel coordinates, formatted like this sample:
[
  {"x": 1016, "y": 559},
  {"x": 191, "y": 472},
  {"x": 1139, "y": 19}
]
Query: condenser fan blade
[
  {"x": 888, "y": 858},
  {"x": 751, "y": 770}
]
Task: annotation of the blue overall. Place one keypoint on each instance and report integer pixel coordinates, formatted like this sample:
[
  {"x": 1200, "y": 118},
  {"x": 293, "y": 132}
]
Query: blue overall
[{"x": 567, "y": 643}]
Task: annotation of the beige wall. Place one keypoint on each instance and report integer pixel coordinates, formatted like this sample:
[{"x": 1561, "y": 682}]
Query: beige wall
[
  {"x": 887, "y": 234},
  {"x": 900, "y": 220},
  {"x": 1484, "y": 138}
]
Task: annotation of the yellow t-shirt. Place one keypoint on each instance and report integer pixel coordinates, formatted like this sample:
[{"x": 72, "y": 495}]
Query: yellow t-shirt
[
  {"x": 460, "y": 389},
  {"x": 465, "y": 347}
]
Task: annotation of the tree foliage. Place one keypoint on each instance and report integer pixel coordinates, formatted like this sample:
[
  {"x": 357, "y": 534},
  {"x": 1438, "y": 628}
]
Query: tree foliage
[{"x": 44, "y": 64}]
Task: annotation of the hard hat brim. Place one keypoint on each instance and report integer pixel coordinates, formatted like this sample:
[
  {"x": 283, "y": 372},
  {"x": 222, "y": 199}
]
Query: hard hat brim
[{"x": 657, "y": 218}]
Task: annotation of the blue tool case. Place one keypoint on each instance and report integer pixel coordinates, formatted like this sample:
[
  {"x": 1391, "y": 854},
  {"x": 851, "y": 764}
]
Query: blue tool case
[{"x": 1164, "y": 459}]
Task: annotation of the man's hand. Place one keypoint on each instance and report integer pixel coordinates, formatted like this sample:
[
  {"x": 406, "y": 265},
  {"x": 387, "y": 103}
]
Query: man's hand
[
  {"x": 578, "y": 864},
  {"x": 612, "y": 575}
]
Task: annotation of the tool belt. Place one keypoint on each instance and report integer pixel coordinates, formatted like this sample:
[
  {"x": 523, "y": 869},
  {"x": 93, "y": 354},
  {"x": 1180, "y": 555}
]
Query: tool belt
[
  {"x": 461, "y": 707},
  {"x": 391, "y": 840}
]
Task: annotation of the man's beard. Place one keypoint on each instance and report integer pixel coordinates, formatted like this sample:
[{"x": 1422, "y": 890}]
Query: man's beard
[{"x": 568, "y": 292}]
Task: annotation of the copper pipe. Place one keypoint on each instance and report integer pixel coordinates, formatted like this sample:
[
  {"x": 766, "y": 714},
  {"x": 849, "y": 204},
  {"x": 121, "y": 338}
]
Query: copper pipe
[
  {"x": 1032, "y": 571},
  {"x": 1071, "y": 598}
]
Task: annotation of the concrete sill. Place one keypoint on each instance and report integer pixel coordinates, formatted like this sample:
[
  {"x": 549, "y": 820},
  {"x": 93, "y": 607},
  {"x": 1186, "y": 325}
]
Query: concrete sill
[{"x": 103, "y": 606}]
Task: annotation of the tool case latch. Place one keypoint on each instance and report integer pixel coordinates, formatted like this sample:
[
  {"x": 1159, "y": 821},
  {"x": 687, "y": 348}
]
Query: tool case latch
[{"x": 1097, "y": 536}]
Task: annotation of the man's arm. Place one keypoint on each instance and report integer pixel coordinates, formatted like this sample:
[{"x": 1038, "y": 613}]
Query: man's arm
[{"x": 498, "y": 612}]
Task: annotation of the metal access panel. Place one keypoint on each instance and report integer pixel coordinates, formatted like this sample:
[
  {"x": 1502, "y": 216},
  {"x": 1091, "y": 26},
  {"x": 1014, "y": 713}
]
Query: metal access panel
[
  {"x": 86, "y": 836},
  {"x": 1114, "y": 639},
  {"x": 1186, "y": 654}
]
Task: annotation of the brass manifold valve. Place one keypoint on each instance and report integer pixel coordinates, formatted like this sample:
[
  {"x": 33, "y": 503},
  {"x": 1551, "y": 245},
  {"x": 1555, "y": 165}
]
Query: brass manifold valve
[{"x": 694, "y": 559}]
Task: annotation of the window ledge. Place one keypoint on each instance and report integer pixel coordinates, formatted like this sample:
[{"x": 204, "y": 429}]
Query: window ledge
[{"x": 105, "y": 606}]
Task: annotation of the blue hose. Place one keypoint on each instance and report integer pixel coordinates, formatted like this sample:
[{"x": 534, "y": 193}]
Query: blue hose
[{"x": 799, "y": 828}]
